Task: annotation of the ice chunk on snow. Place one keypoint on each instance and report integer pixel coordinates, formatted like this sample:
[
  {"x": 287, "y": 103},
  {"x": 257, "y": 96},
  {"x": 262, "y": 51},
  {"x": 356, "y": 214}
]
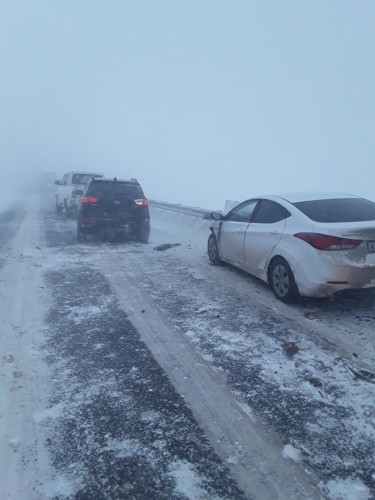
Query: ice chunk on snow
[
  {"x": 348, "y": 489},
  {"x": 51, "y": 412},
  {"x": 249, "y": 412},
  {"x": 60, "y": 487},
  {"x": 188, "y": 482},
  {"x": 233, "y": 459},
  {"x": 290, "y": 452}
]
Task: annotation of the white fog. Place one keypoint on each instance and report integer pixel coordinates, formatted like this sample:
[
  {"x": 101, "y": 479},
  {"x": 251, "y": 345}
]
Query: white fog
[{"x": 202, "y": 101}]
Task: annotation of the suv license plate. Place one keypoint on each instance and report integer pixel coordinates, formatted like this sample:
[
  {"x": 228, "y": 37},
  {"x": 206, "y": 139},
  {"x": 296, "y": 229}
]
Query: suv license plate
[{"x": 371, "y": 246}]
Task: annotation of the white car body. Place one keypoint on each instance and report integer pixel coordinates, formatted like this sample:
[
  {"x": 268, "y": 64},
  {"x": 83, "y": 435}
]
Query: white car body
[
  {"x": 253, "y": 246},
  {"x": 70, "y": 189}
]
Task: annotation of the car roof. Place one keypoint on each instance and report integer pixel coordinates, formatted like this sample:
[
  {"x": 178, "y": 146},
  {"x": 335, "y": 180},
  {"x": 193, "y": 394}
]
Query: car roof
[{"x": 309, "y": 196}]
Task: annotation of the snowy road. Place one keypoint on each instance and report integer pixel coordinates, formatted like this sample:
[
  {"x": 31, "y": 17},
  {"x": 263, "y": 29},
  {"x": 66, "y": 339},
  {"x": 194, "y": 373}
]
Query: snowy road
[{"x": 133, "y": 373}]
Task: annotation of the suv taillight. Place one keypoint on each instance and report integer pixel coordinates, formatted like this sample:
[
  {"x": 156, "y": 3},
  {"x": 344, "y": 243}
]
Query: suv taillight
[
  {"x": 89, "y": 199},
  {"x": 142, "y": 203},
  {"x": 325, "y": 242}
]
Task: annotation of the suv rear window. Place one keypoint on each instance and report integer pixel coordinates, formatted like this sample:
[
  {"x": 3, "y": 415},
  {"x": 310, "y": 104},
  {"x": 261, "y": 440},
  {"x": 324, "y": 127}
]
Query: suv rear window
[
  {"x": 338, "y": 210},
  {"x": 111, "y": 188}
]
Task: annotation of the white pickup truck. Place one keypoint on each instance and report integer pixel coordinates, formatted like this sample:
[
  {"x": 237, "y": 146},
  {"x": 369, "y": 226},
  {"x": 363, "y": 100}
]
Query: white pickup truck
[{"x": 70, "y": 190}]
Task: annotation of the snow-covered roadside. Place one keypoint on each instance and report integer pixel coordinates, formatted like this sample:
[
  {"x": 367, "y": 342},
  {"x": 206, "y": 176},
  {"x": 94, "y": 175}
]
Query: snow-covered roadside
[{"x": 24, "y": 389}]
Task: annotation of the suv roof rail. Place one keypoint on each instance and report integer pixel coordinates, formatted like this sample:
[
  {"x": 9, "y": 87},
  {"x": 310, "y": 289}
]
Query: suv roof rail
[{"x": 114, "y": 179}]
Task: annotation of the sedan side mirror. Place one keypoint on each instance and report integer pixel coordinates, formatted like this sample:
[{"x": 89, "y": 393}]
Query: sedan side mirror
[{"x": 217, "y": 216}]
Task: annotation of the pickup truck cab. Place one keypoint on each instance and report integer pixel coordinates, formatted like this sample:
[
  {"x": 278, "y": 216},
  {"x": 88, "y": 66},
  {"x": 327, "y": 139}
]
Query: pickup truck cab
[{"x": 70, "y": 190}]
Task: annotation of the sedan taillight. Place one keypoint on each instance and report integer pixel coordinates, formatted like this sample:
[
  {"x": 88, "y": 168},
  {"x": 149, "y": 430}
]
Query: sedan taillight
[
  {"x": 89, "y": 199},
  {"x": 326, "y": 242}
]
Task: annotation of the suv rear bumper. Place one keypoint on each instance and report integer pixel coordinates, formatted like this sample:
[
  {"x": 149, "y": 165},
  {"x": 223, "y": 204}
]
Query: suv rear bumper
[{"x": 104, "y": 225}]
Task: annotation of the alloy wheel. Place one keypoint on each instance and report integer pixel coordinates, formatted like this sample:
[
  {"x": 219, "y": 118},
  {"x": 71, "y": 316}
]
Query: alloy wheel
[{"x": 281, "y": 280}]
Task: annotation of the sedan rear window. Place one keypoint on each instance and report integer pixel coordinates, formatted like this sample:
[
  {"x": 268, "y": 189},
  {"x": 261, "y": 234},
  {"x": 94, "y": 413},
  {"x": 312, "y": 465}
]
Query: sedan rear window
[{"x": 338, "y": 210}]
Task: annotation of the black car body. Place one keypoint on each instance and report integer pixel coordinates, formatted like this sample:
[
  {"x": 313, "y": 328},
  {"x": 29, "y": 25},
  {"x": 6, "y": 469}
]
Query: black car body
[{"x": 113, "y": 208}]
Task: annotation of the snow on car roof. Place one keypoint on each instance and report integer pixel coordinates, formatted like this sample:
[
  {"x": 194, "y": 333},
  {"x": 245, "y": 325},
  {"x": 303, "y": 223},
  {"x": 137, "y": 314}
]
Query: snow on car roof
[
  {"x": 84, "y": 172},
  {"x": 312, "y": 195},
  {"x": 110, "y": 179},
  {"x": 293, "y": 197}
]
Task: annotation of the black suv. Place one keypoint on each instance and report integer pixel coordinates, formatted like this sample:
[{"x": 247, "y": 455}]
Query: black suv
[{"x": 113, "y": 208}]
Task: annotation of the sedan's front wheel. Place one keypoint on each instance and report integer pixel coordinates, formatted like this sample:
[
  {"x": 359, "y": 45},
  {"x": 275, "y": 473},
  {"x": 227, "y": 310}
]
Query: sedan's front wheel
[
  {"x": 212, "y": 250},
  {"x": 281, "y": 280}
]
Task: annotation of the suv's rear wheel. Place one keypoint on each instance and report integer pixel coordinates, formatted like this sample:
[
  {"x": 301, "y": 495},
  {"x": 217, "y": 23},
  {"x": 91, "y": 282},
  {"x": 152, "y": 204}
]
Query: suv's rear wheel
[
  {"x": 142, "y": 234},
  {"x": 81, "y": 235}
]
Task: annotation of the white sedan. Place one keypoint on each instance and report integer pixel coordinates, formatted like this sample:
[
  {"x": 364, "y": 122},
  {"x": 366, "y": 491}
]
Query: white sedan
[{"x": 309, "y": 244}]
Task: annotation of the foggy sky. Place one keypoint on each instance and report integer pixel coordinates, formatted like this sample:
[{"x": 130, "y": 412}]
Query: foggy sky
[{"x": 201, "y": 100}]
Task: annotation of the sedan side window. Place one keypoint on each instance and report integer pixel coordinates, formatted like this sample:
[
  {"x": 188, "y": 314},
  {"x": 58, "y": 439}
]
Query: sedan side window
[
  {"x": 270, "y": 212},
  {"x": 242, "y": 213}
]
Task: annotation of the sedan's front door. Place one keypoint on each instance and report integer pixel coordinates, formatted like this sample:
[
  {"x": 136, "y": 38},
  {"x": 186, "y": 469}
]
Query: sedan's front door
[
  {"x": 232, "y": 233},
  {"x": 263, "y": 234}
]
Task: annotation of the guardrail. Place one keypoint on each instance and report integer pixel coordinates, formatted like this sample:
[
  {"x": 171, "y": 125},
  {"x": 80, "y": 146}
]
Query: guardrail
[{"x": 182, "y": 209}]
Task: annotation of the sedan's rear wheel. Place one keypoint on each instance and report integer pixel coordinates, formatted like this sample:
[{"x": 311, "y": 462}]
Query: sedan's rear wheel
[
  {"x": 212, "y": 250},
  {"x": 281, "y": 280}
]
